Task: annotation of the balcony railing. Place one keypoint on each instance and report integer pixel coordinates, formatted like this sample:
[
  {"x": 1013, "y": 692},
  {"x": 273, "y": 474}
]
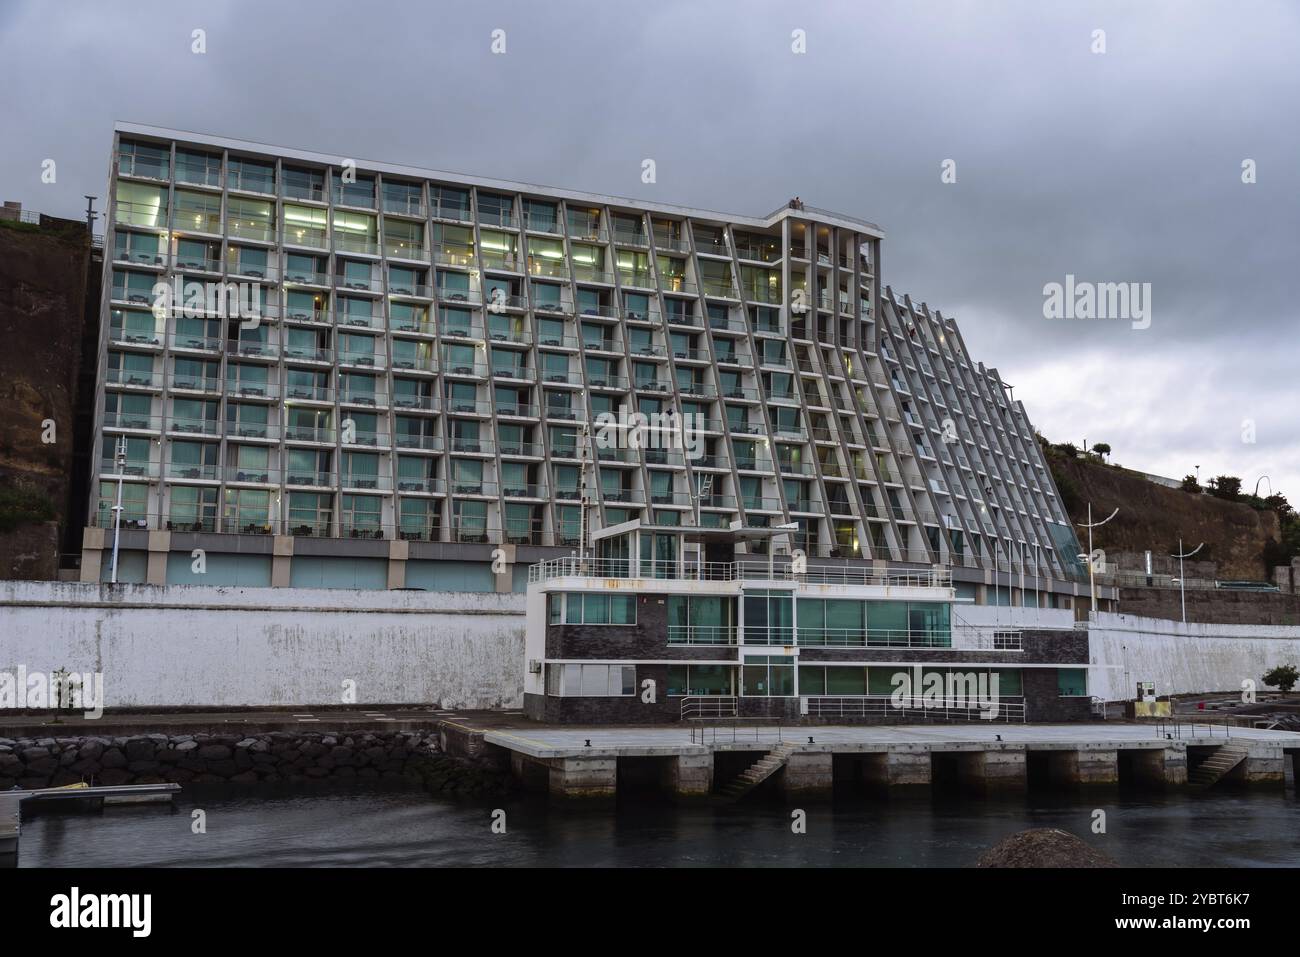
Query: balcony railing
[
  {"x": 868, "y": 638},
  {"x": 573, "y": 567},
  {"x": 701, "y": 635}
]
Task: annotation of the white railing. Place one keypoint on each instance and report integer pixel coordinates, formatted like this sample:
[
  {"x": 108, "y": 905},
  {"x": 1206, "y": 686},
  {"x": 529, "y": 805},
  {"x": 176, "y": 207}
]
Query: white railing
[
  {"x": 938, "y": 637},
  {"x": 701, "y": 634},
  {"x": 1001, "y": 709},
  {"x": 573, "y": 567},
  {"x": 708, "y": 706},
  {"x": 986, "y": 638}
]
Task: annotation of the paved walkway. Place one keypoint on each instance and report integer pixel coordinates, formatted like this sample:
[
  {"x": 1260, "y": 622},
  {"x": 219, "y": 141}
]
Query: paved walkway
[{"x": 540, "y": 741}]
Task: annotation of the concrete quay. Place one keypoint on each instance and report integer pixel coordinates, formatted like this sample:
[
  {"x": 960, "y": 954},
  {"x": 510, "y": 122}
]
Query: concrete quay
[{"x": 590, "y": 762}]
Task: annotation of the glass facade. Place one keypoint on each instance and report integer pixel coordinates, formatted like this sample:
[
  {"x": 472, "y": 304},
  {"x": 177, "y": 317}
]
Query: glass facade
[{"x": 384, "y": 318}]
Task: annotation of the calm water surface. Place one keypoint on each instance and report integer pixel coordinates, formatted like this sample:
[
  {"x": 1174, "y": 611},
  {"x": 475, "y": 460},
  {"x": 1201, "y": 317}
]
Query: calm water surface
[{"x": 405, "y": 827}]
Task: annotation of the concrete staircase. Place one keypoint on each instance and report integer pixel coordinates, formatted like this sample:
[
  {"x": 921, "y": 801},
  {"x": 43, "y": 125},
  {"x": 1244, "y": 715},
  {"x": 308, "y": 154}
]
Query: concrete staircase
[
  {"x": 756, "y": 773},
  {"x": 1211, "y": 771}
]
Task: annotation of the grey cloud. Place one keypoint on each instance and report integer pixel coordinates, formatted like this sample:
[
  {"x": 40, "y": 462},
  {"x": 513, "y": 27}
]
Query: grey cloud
[{"x": 1123, "y": 166}]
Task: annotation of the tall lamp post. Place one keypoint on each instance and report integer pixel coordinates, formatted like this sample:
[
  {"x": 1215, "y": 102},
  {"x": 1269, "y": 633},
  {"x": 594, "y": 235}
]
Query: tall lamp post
[
  {"x": 1182, "y": 579},
  {"x": 1092, "y": 580},
  {"x": 117, "y": 507}
]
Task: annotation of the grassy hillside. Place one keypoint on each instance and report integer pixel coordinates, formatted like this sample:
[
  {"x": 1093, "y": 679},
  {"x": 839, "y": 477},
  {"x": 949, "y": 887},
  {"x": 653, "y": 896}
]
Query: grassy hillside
[{"x": 1240, "y": 539}]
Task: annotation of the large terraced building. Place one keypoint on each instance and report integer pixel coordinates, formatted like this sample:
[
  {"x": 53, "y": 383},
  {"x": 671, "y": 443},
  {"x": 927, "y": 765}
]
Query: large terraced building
[{"x": 410, "y": 391}]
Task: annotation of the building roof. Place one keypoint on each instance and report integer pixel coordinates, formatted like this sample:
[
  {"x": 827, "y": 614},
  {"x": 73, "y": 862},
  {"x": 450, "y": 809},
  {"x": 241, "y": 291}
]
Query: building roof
[{"x": 593, "y": 199}]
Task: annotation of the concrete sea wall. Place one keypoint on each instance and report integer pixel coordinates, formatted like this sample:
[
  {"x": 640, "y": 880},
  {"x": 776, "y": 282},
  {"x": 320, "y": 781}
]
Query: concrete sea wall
[
  {"x": 1183, "y": 658},
  {"x": 201, "y": 646},
  {"x": 242, "y": 759}
]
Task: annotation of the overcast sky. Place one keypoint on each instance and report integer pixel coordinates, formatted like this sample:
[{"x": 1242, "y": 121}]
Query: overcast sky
[{"x": 1122, "y": 166}]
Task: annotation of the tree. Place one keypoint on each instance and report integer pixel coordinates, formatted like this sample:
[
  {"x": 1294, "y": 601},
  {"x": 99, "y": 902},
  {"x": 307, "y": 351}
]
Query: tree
[
  {"x": 1226, "y": 487},
  {"x": 1284, "y": 676},
  {"x": 1102, "y": 449},
  {"x": 1190, "y": 484}
]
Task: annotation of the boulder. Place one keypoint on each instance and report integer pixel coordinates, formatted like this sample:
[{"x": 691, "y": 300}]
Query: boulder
[{"x": 1043, "y": 847}]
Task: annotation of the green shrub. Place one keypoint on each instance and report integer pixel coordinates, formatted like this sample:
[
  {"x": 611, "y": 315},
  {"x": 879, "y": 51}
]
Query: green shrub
[
  {"x": 21, "y": 506},
  {"x": 1284, "y": 676}
]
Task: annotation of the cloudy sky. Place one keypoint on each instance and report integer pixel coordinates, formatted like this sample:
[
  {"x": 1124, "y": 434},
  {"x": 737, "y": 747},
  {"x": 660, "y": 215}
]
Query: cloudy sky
[{"x": 1115, "y": 166}]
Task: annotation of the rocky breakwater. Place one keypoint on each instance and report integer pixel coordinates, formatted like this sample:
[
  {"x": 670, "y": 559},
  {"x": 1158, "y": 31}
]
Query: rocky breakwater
[{"x": 241, "y": 759}]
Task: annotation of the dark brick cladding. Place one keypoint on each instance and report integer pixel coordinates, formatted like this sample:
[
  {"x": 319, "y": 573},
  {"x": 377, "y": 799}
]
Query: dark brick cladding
[{"x": 648, "y": 639}]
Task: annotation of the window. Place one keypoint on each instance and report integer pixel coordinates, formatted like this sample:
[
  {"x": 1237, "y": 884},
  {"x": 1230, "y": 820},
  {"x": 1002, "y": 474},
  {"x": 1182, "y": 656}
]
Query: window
[
  {"x": 599, "y": 681},
  {"x": 599, "y": 609},
  {"x": 701, "y": 680},
  {"x": 193, "y": 509},
  {"x": 768, "y": 677},
  {"x": 831, "y": 622},
  {"x": 768, "y": 618},
  {"x": 839, "y": 681},
  {"x": 701, "y": 619},
  {"x": 1070, "y": 682}
]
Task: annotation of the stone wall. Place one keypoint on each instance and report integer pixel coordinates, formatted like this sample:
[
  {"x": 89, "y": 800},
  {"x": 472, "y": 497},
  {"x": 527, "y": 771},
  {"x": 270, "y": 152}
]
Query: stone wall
[
  {"x": 235, "y": 758},
  {"x": 1222, "y": 606}
]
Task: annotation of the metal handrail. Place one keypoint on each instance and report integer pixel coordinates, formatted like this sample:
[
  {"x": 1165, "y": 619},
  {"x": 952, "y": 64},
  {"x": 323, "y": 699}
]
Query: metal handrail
[
  {"x": 708, "y": 706},
  {"x": 572, "y": 566},
  {"x": 1009, "y": 709},
  {"x": 1173, "y": 727}
]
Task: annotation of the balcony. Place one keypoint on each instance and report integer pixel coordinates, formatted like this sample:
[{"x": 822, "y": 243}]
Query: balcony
[
  {"x": 395, "y": 249},
  {"x": 701, "y": 635},
  {"x": 424, "y": 443},
  {"x": 421, "y": 403},
  {"x": 548, "y": 268},
  {"x": 193, "y": 470},
  {"x": 140, "y": 214},
  {"x": 306, "y": 236},
  {"x": 865, "y": 575},
  {"x": 307, "y": 433},
  {"x": 410, "y": 205},
  {"x": 190, "y": 426},
  {"x": 366, "y": 482},
  {"x": 141, "y": 167},
  {"x": 132, "y": 379},
  {"x": 363, "y": 244},
  {"x": 248, "y": 475},
  {"x": 365, "y": 398},
  {"x": 132, "y": 469},
  {"x": 309, "y": 393}
]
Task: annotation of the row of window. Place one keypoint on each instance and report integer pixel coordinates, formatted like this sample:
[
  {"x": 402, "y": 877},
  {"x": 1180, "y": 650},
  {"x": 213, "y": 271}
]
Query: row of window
[
  {"x": 774, "y": 677},
  {"x": 584, "y": 608}
]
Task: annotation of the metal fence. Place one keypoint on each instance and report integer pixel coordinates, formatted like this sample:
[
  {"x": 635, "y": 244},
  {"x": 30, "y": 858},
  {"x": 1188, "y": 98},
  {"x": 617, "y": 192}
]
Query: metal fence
[{"x": 1001, "y": 709}]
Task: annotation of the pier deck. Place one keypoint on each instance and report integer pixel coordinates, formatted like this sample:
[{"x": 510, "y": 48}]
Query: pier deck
[
  {"x": 584, "y": 762},
  {"x": 551, "y": 742}
]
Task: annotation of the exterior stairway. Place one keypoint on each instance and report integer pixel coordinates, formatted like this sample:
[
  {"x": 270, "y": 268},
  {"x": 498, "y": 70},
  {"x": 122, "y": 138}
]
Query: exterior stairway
[
  {"x": 756, "y": 773},
  {"x": 1210, "y": 771}
]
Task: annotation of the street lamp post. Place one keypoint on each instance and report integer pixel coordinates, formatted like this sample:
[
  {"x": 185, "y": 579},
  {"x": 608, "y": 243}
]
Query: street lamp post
[
  {"x": 1182, "y": 579},
  {"x": 1092, "y": 580},
  {"x": 117, "y": 507}
]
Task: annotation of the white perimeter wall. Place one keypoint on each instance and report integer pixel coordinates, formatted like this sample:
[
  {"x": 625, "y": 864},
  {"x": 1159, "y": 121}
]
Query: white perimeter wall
[
  {"x": 192, "y": 645},
  {"x": 1183, "y": 658}
]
